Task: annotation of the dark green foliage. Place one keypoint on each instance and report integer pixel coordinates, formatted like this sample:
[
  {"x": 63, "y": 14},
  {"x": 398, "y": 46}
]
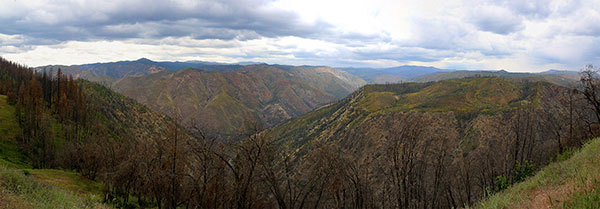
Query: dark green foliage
[
  {"x": 502, "y": 182},
  {"x": 523, "y": 171},
  {"x": 563, "y": 156}
]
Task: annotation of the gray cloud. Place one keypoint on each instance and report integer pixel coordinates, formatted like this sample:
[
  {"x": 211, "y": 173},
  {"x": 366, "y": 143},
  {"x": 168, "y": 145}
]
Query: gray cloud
[
  {"x": 224, "y": 19},
  {"x": 530, "y": 8},
  {"x": 496, "y": 19}
]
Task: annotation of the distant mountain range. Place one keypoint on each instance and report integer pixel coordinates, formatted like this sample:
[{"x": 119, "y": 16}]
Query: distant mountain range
[
  {"x": 393, "y": 74},
  {"x": 138, "y": 67},
  {"x": 563, "y": 78},
  {"x": 411, "y": 73},
  {"x": 404, "y": 73}
]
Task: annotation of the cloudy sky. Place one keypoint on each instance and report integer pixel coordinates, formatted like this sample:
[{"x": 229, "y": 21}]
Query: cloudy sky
[{"x": 517, "y": 35}]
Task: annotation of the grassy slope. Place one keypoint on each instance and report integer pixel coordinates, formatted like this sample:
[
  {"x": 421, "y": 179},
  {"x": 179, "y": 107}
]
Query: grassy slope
[
  {"x": 573, "y": 183},
  {"x": 18, "y": 190},
  {"x": 49, "y": 188}
]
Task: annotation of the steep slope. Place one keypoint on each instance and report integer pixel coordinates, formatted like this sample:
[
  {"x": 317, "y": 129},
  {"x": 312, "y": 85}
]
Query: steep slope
[
  {"x": 437, "y": 137},
  {"x": 119, "y": 117},
  {"x": 122, "y": 116},
  {"x": 572, "y": 183},
  {"x": 459, "y": 95},
  {"x": 232, "y": 103},
  {"x": 49, "y": 188},
  {"x": 9, "y": 133}
]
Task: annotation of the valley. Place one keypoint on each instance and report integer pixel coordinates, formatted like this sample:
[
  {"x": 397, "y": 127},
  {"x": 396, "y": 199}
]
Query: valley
[{"x": 247, "y": 97}]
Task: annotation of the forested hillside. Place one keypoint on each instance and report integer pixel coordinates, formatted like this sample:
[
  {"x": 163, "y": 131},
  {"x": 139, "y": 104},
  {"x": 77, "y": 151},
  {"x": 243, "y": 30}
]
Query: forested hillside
[
  {"x": 79, "y": 125},
  {"x": 437, "y": 145}
]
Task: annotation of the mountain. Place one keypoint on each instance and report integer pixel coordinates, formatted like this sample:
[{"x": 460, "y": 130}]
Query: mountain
[
  {"x": 240, "y": 96},
  {"x": 124, "y": 117},
  {"x": 459, "y": 128},
  {"x": 209, "y": 66},
  {"x": 77, "y": 73},
  {"x": 468, "y": 73},
  {"x": 438, "y": 144},
  {"x": 554, "y": 71},
  {"x": 109, "y": 72},
  {"x": 393, "y": 74},
  {"x": 51, "y": 123},
  {"x": 122, "y": 68},
  {"x": 410, "y": 73},
  {"x": 490, "y": 94},
  {"x": 234, "y": 102}
]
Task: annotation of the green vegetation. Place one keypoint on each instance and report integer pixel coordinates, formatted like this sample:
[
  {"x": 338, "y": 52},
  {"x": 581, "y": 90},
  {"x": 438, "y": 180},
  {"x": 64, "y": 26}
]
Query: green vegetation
[
  {"x": 225, "y": 106},
  {"x": 467, "y": 97},
  {"x": 68, "y": 180},
  {"x": 79, "y": 126},
  {"x": 9, "y": 131},
  {"x": 500, "y": 132},
  {"x": 463, "y": 95},
  {"x": 430, "y": 145},
  {"x": 522, "y": 172},
  {"x": 573, "y": 183},
  {"x": 120, "y": 116},
  {"x": 23, "y": 187},
  {"x": 17, "y": 190}
]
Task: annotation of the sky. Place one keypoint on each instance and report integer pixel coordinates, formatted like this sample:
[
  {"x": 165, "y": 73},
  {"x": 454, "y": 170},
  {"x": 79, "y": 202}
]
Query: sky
[{"x": 517, "y": 35}]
